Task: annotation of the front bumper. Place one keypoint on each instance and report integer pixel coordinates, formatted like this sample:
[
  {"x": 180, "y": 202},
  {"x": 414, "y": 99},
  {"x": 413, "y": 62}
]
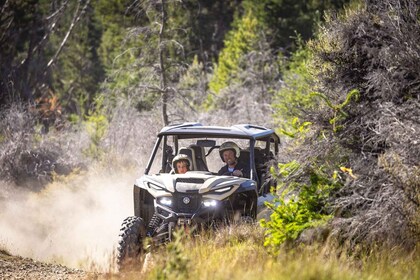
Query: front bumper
[{"x": 200, "y": 214}]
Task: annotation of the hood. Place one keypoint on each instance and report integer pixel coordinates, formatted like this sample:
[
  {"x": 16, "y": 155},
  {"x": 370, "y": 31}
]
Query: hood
[{"x": 190, "y": 182}]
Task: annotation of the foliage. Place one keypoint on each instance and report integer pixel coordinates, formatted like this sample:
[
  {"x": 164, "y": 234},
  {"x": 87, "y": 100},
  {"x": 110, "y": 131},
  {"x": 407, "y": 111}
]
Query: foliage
[
  {"x": 191, "y": 93},
  {"x": 79, "y": 70},
  {"x": 297, "y": 128},
  {"x": 362, "y": 49},
  {"x": 215, "y": 256},
  {"x": 29, "y": 158},
  {"x": 239, "y": 42},
  {"x": 358, "y": 49},
  {"x": 18, "y": 38},
  {"x": 27, "y": 69},
  {"x": 284, "y": 19},
  {"x": 339, "y": 113},
  {"x": 96, "y": 127},
  {"x": 294, "y": 100},
  {"x": 177, "y": 265},
  {"x": 248, "y": 97},
  {"x": 58, "y": 67},
  {"x": 247, "y": 79},
  {"x": 293, "y": 213},
  {"x": 156, "y": 61},
  {"x": 259, "y": 22}
]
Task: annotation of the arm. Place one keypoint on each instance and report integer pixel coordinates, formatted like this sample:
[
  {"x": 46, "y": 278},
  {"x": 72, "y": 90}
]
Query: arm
[
  {"x": 222, "y": 170},
  {"x": 241, "y": 170}
]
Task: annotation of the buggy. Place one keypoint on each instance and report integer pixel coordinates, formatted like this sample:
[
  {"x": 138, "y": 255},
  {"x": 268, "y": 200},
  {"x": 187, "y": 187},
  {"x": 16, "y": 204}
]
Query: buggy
[{"x": 165, "y": 201}]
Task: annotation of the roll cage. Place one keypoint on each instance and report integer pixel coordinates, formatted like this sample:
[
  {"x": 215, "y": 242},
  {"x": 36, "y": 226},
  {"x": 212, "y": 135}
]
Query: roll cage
[{"x": 256, "y": 157}]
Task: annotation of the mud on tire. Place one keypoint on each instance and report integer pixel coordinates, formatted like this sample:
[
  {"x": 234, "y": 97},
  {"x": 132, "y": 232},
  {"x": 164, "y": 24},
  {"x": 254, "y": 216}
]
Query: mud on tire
[{"x": 130, "y": 243}]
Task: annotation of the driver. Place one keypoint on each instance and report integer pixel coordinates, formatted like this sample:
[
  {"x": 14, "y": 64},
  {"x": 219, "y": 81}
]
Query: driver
[
  {"x": 181, "y": 164},
  {"x": 229, "y": 152}
]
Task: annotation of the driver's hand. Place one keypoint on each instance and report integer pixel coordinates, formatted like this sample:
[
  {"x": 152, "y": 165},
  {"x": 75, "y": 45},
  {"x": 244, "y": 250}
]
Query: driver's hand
[{"x": 237, "y": 173}]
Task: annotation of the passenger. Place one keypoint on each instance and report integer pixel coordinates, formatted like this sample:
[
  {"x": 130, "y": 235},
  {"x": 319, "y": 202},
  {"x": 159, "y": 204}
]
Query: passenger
[
  {"x": 181, "y": 164},
  {"x": 229, "y": 152}
]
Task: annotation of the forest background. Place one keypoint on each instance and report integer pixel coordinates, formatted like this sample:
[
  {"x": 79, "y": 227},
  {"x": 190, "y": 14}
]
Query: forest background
[{"x": 86, "y": 85}]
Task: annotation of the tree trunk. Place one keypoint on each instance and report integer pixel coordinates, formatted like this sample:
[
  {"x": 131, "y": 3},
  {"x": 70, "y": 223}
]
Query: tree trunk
[{"x": 163, "y": 82}]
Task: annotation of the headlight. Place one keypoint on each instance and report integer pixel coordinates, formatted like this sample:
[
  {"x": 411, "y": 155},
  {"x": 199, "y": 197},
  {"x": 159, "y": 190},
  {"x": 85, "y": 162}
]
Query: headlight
[
  {"x": 167, "y": 201},
  {"x": 210, "y": 203}
]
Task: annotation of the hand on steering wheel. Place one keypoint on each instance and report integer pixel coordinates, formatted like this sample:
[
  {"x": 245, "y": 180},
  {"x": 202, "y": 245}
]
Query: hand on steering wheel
[{"x": 237, "y": 173}]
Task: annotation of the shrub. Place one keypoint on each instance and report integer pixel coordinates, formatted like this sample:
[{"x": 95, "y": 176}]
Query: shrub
[
  {"x": 30, "y": 158},
  {"x": 299, "y": 205},
  {"x": 372, "y": 48}
]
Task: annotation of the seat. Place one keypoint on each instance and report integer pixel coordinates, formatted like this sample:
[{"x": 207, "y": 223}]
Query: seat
[
  {"x": 199, "y": 158},
  {"x": 191, "y": 154},
  {"x": 258, "y": 158},
  {"x": 244, "y": 157}
]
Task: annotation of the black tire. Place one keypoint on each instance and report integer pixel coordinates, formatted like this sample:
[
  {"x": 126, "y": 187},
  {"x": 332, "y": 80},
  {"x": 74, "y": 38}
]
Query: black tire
[
  {"x": 153, "y": 224},
  {"x": 130, "y": 243}
]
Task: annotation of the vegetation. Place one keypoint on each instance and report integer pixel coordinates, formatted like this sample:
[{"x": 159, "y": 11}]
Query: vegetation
[
  {"x": 292, "y": 213},
  {"x": 384, "y": 165},
  {"x": 238, "y": 253},
  {"x": 92, "y": 81}
]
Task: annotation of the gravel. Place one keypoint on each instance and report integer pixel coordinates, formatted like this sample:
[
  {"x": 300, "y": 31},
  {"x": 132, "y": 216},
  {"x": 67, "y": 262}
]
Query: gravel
[{"x": 12, "y": 267}]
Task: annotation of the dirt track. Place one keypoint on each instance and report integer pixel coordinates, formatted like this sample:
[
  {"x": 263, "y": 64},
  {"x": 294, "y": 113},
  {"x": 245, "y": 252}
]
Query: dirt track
[{"x": 12, "y": 267}]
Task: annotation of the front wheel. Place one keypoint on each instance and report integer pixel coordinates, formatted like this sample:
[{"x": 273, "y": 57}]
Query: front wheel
[{"x": 130, "y": 243}]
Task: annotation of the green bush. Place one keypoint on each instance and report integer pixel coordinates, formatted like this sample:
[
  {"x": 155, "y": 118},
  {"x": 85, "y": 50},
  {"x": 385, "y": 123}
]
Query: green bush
[
  {"x": 294, "y": 99},
  {"x": 299, "y": 206},
  {"x": 96, "y": 127},
  {"x": 177, "y": 262}
]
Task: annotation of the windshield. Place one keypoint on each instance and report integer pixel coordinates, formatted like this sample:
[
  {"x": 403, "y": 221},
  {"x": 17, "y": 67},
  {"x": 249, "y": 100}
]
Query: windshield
[
  {"x": 203, "y": 152},
  {"x": 211, "y": 157}
]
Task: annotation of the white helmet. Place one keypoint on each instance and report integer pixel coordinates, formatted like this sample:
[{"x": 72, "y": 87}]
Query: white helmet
[
  {"x": 229, "y": 145},
  {"x": 180, "y": 157}
]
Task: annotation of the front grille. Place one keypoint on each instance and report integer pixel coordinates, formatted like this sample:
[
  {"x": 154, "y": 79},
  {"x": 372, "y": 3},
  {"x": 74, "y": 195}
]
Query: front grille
[
  {"x": 190, "y": 180},
  {"x": 191, "y": 191},
  {"x": 191, "y": 207}
]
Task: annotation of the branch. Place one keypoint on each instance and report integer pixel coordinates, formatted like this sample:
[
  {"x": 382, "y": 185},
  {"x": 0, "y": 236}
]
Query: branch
[
  {"x": 7, "y": 27},
  {"x": 4, "y": 6},
  {"x": 50, "y": 30},
  {"x": 76, "y": 19},
  {"x": 183, "y": 98},
  {"x": 153, "y": 88}
]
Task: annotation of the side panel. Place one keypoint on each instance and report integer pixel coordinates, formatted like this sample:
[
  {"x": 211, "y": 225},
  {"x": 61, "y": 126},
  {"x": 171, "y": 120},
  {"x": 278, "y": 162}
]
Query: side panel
[
  {"x": 244, "y": 200},
  {"x": 143, "y": 204}
]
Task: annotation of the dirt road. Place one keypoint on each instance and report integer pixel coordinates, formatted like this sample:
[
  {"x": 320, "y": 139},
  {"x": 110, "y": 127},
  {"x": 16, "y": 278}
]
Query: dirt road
[{"x": 12, "y": 267}]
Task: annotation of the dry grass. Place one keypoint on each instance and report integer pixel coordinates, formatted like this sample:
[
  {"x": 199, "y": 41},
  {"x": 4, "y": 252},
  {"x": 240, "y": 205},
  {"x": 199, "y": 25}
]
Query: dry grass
[{"x": 238, "y": 253}]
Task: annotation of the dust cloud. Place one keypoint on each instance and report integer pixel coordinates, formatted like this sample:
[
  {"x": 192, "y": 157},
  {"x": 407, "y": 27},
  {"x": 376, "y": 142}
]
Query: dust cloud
[{"x": 74, "y": 221}]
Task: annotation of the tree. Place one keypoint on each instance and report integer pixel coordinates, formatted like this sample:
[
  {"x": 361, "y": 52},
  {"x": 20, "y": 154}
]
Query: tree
[
  {"x": 239, "y": 42},
  {"x": 25, "y": 30},
  {"x": 206, "y": 23},
  {"x": 286, "y": 19},
  {"x": 293, "y": 101},
  {"x": 79, "y": 70},
  {"x": 158, "y": 56}
]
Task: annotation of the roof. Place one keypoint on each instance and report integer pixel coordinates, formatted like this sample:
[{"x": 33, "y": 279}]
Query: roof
[{"x": 197, "y": 130}]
